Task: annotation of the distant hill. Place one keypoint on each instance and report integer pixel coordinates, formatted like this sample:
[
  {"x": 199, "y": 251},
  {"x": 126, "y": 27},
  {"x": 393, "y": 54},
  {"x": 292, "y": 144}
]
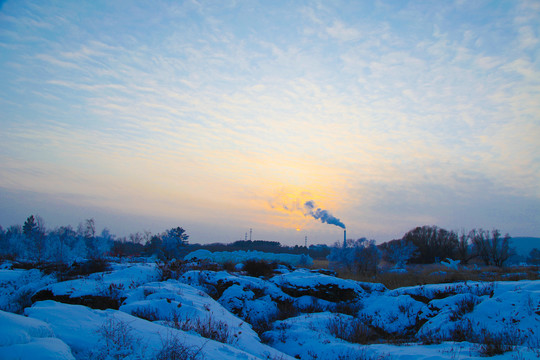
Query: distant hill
[{"x": 524, "y": 245}]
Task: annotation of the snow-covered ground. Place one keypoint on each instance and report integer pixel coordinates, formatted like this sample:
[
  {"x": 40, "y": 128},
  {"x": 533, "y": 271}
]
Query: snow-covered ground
[{"x": 131, "y": 313}]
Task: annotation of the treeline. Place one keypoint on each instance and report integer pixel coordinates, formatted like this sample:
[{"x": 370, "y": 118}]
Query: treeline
[
  {"x": 34, "y": 242},
  {"x": 427, "y": 245},
  {"x": 432, "y": 244},
  {"x": 422, "y": 245}
]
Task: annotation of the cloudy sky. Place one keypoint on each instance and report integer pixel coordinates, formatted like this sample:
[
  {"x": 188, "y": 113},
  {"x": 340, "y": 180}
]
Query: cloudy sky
[{"x": 220, "y": 116}]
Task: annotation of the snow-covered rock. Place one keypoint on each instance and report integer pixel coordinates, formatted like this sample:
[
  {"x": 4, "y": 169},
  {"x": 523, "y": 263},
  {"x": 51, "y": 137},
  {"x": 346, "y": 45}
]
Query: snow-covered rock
[
  {"x": 100, "y": 290},
  {"x": 252, "y": 299},
  {"x": 304, "y": 282}
]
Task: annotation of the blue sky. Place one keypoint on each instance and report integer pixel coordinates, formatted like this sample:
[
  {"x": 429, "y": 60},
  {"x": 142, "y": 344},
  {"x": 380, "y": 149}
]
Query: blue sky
[{"x": 224, "y": 116}]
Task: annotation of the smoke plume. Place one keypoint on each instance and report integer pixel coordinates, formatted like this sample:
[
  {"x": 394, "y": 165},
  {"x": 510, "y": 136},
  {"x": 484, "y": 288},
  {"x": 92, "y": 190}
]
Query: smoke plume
[{"x": 322, "y": 215}]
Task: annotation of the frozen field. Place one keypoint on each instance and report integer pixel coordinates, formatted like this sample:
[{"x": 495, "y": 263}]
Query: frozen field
[{"x": 140, "y": 311}]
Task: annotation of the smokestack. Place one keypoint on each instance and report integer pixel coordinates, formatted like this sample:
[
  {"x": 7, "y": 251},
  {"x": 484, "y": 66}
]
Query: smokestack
[{"x": 344, "y": 238}]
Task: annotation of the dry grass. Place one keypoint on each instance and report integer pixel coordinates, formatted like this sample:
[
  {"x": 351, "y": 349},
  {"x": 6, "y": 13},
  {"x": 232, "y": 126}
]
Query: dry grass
[
  {"x": 437, "y": 274},
  {"x": 351, "y": 330},
  {"x": 320, "y": 264},
  {"x": 209, "y": 328}
]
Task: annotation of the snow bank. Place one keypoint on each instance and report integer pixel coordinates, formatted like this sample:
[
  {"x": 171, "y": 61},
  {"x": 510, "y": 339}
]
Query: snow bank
[
  {"x": 241, "y": 256},
  {"x": 17, "y": 286},
  {"x": 17, "y": 329},
  {"x": 174, "y": 300},
  {"x": 83, "y": 330},
  {"x": 27, "y": 338},
  {"x": 239, "y": 304},
  {"x": 110, "y": 283},
  {"x": 308, "y": 337},
  {"x": 247, "y": 297},
  {"x": 393, "y": 314}
]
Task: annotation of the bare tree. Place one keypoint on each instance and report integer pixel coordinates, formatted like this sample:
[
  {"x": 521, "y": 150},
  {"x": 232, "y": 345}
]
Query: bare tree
[
  {"x": 433, "y": 243},
  {"x": 500, "y": 248},
  {"x": 492, "y": 248}
]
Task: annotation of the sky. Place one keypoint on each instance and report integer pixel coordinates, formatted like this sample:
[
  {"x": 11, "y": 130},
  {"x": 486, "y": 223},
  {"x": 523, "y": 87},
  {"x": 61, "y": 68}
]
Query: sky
[{"x": 221, "y": 116}]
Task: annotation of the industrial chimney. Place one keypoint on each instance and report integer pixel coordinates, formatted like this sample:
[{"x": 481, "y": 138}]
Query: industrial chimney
[{"x": 344, "y": 238}]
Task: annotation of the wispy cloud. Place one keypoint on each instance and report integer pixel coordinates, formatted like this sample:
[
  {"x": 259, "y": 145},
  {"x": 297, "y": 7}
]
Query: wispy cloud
[{"x": 354, "y": 104}]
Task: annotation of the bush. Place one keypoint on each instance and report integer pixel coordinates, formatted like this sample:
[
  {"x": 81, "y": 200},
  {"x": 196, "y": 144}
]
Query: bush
[
  {"x": 354, "y": 330},
  {"x": 258, "y": 268},
  {"x": 349, "y": 308},
  {"x": 84, "y": 268},
  {"x": 287, "y": 309},
  {"x": 113, "y": 291},
  {"x": 463, "y": 331},
  {"x": 118, "y": 340},
  {"x": 360, "y": 355},
  {"x": 313, "y": 307},
  {"x": 260, "y": 326},
  {"x": 208, "y": 328},
  {"x": 146, "y": 314},
  {"x": 21, "y": 301},
  {"x": 170, "y": 269},
  {"x": 430, "y": 338},
  {"x": 492, "y": 344},
  {"x": 174, "y": 349},
  {"x": 464, "y": 306}
]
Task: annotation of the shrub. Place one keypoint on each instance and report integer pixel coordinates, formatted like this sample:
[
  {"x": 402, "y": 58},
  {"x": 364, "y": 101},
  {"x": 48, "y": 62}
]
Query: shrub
[
  {"x": 83, "y": 269},
  {"x": 118, "y": 340},
  {"x": 170, "y": 269},
  {"x": 361, "y": 355},
  {"x": 463, "y": 331},
  {"x": 113, "y": 291},
  {"x": 229, "y": 266},
  {"x": 22, "y": 300},
  {"x": 492, "y": 344},
  {"x": 313, "y": 307},
  {"x": 146, "y": 314},
  {"x": 354, "y": 331},
  {"x": 464, "y": 306},
  {"x": 208, "y": 328},
  {"x": 348, "y": 308},
  {"x": 174, "y": 349},
  {"x": 287, "y": 309},
  {"x": 258, "y": 268},
  {"x": 430, "y": 338},
  {"x": 260, "y": 326}
]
